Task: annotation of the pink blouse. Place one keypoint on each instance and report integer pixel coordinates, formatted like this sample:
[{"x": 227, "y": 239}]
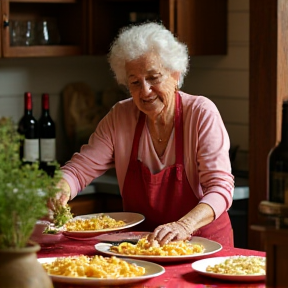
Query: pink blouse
[{"x": 206, "y": 151}]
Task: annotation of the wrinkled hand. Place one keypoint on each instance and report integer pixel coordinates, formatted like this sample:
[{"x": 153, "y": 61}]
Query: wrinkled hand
[{"x": 174, "y": 231}]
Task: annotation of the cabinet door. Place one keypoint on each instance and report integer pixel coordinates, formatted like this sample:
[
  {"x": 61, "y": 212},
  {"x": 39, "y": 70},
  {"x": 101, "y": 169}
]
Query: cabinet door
[
  {"x": 67, "y": 15},
  {"x": 107, "y": 17},
  {"x": 201, "y": 24}
]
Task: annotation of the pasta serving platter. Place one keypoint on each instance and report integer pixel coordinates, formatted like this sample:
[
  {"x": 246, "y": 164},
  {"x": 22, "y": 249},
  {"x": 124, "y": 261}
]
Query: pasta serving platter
[
  {"x": 130, "y": 219},
  {"x": 210, "y": 247},
  {"x": 151, "y": 270}
]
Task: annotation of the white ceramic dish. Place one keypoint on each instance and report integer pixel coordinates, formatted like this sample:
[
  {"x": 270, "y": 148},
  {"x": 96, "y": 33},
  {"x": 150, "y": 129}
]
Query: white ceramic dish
[
  {"x": 152, "y": 270},
  {"x": 39, "y": 237},
  {"x": 131, "y": 219},
  {"x": 210, "y": 246},
  {"x": 201, "y": 265}
]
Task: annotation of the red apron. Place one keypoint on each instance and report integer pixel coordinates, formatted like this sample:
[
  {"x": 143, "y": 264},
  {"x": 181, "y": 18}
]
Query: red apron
[{"x": 167, "y": 196}]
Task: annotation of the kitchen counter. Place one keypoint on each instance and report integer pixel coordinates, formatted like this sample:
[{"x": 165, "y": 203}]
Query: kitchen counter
[
  {"x": 241, "y": 190},
  {"x": 238, "y": 212},
  {"x": 108, "y": 183}
]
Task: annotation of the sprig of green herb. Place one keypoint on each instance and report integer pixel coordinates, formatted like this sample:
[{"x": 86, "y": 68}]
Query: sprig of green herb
[{"x": 62, "y": 214}]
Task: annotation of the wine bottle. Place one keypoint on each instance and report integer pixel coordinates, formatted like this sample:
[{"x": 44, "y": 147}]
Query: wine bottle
[
  {"x": 28, "y": 127},
  {"x": 278, "y": 164},
  {"x": 47, "y": 137}
]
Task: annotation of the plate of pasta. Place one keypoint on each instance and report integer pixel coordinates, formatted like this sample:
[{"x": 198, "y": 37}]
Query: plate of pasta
[
  {"x": 197, "y": 247},
  {"x": 234, "y": 268},
  {"x": 91, "y": 225},
  {"x": 98, "y": 270}
]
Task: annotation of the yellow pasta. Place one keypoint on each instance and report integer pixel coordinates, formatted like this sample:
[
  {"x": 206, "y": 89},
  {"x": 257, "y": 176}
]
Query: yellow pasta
[
  {"x": 143, "y": 247},
  {"x": 240, "y": 265},
  {"x": 96, "y": 266},
  {"x": 94, "y": 223}
]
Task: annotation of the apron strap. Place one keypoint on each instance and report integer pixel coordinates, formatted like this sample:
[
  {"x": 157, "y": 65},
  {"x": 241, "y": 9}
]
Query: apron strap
[
  {"x": 136, "y": 140},
  {"x": 179, "y": 130},
  {"x": 178, "y": 133}
]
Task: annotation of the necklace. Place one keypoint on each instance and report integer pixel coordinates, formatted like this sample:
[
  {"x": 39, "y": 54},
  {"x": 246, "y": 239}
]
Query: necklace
[{"x": 159, "y": 139}]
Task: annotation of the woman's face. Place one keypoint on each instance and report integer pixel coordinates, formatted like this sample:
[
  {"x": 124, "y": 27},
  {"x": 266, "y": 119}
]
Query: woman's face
[{"x": 151, "y": 86}]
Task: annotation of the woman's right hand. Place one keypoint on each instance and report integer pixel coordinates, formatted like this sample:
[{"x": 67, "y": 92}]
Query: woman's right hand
[{"x": 61, "y": 198}]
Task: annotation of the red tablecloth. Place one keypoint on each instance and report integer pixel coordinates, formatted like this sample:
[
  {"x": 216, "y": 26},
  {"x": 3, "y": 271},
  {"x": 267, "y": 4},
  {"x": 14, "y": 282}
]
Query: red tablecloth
[{"x": 177, "y": 275}]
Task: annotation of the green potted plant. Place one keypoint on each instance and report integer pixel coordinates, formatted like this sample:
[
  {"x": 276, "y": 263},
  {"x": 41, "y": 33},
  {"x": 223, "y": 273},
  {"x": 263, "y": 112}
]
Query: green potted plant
[{"x": 24, "y": 192}]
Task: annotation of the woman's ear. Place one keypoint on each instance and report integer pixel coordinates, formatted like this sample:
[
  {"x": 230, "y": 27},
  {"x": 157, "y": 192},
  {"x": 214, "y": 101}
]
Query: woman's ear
[{"x": 176, "y": 76}]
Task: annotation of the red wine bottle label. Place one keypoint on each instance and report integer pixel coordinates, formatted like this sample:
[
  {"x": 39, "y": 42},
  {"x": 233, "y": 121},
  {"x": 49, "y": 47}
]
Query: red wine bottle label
[
  {"x": 31, "y": 150},
  {"x": 48, "y": 150},
  {"x": 279, "y": 186}
]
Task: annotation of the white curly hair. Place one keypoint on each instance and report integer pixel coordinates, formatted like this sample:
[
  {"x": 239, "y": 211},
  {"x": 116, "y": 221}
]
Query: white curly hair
[{"x": 135, "y": 41}]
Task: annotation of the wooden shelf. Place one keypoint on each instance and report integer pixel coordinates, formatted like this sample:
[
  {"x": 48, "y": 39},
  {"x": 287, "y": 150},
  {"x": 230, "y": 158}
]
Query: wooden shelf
[{"x": 43, "y": 51}]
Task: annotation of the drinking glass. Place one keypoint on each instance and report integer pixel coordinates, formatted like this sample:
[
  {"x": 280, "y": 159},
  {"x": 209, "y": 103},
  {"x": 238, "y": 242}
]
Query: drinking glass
[
  {"x": 47, "y": 32},
  {"x": 22, "y": 33}
]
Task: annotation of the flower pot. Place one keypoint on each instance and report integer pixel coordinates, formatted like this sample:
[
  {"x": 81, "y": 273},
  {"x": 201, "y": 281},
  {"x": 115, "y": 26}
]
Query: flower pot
[{"x": 19, "y": 267}]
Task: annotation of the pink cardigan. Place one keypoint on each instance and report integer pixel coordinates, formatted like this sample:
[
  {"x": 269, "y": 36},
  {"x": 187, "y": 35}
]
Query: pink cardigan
[{"x": 206, "y": 151}]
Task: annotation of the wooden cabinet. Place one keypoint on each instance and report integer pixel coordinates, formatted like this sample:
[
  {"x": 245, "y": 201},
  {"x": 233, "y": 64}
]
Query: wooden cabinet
[
  {"x": 87, "y": 27},
  {"x": 71, "y": 25},
  {"x": 202, "y": 25}
]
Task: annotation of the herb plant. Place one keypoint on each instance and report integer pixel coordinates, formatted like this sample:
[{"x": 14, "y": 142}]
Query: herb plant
[{"x": 24, "y": 190}]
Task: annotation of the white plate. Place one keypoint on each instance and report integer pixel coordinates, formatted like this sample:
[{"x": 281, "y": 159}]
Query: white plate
[
  {"x": 210, "y": 247},
  {"x": 121, "y": 236},
  {"x": 152, "y": 270},
  {"x": 201, "y": 265},
  {"x": 131, "y": 219}
]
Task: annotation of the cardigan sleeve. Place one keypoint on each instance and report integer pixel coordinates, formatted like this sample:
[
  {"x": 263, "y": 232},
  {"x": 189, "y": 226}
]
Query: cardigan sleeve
[{"x": 206, "y": 149}]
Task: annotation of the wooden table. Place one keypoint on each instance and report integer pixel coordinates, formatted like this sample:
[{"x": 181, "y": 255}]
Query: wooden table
[{"x": 177, "y": 275}]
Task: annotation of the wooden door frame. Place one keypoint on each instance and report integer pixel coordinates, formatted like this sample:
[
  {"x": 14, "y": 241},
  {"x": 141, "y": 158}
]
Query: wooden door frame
[{"x": 267, "y": 89}]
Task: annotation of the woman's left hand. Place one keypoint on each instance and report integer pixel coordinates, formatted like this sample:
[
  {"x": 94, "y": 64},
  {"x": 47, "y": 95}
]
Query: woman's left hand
[
  {"x": 174, "y": 231},
  {"x": 183, "y": 229}
]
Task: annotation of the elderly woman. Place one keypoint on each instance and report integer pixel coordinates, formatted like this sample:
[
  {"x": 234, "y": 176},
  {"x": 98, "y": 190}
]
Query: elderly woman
[{"x": 170, "y": 149}]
